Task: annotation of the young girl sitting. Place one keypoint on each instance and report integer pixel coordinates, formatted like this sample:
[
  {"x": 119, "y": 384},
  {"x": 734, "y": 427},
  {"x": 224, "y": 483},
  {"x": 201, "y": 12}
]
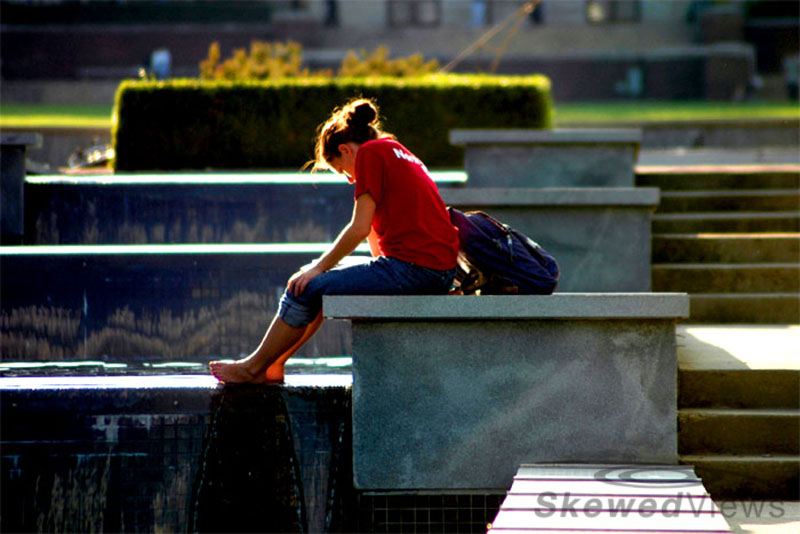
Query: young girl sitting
[{"x": 397, "y": 209}]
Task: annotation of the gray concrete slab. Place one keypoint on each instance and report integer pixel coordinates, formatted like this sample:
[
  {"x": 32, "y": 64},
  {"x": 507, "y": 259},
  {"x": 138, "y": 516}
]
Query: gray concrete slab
[
  {"x": 549, "y": 158},
  {"x": 600, "y": 237},
  {"x": 684, "y": 156},
  {"x": 459, "y": 401},
  {"x": 546, "y": 137},
  {"x": 575, "y": 306},
  {"x": 555, "y": 196}
]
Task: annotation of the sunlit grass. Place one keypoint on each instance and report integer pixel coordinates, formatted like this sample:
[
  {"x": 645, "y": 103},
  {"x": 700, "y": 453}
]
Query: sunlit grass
[
  {"x": 665, "y": 111},
  {"x": 99, "y": 116},
  {"x": 55, "y": 116}
]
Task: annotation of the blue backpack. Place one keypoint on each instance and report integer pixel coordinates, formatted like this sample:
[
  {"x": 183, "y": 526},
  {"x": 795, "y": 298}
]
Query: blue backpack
[{"x": 495, "y": 259}]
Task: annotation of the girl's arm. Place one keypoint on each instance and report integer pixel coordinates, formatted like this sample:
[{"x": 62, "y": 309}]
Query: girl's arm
[{"x": 349, "y": 238}]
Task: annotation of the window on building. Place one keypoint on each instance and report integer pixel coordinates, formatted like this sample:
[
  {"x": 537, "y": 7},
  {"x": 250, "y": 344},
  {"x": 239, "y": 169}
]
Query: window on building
[
  {"x": 414, "y": 13},
  {"x": 613, "y": 11}
]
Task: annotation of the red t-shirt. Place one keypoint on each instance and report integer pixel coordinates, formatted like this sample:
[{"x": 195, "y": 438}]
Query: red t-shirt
[{"x": 411, "y": 220}]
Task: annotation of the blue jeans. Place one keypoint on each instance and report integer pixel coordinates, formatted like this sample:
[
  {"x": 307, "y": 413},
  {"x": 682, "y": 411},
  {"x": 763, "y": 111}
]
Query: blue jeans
[{"x": 376, "y": 276}]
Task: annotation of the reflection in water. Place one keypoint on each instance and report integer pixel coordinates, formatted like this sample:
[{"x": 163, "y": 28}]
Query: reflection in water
[
  {"x": 230, "y": 328},
  {"x": 48, "y": 332},
  {"x": 73, "y": 501},
  {"x": 230, "y": 214},
  {"x": 249, "y": 478}
]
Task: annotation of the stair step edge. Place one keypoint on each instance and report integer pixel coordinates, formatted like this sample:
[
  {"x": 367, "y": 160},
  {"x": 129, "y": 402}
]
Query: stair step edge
[{"x": 724, "y": 412}]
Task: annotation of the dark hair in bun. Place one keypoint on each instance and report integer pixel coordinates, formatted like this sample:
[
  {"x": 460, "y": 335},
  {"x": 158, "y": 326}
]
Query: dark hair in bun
[
  {"x": 357, "y": 121},
  {"x": 363, "y": 113}
]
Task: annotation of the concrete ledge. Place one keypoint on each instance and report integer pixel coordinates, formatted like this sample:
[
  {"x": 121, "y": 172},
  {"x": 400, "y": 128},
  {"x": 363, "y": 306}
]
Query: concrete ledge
[
  {"x": 500, "y": 308},
  {"x": 456, "y": 392},
  {"x": 12, "y": 181},
  {"x": 23, "y": 139},
  {"x": 600, "y": 236},
  {"x": 543, "y": 137},
  {"x": 557, "y": 196},
  {"x": 549, "y": 158}
]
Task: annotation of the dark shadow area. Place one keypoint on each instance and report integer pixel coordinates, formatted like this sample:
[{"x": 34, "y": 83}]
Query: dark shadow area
[{"x": 249, "y": 478}]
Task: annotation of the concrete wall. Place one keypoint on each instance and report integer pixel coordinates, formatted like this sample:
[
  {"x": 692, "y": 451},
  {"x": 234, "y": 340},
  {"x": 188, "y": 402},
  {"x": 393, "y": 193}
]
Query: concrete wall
[
  {"x": 172, "y": 454},
  {"x": 549, "y": 158},
  {"x": 600, "y": 237},
  {"x": 488, "y": 383},
  {"x": 355, "y": 13}
]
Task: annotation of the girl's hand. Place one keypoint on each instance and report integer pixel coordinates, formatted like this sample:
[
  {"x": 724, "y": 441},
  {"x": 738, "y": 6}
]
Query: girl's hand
[{"x": 299, "y": 280}]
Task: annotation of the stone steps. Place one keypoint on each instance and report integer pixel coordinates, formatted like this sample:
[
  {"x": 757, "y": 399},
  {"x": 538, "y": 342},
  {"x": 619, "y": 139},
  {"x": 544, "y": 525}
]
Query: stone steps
[
  {"x": 750, "y": 308},
  {"x": 740, "y": 200},
  {"x": 730, "y": 236},
  {"x": 726, "y": 248},
  {"x": 739, "y": 409},
  {"x": 680, "y": 179},
  {"x": 752, "y": 477},
  {"x": 739, "y": 431},
  {"x": 721, "y": 388},
  {"x": 737, "y": 222},
  {"x": 727, "y": 278}
]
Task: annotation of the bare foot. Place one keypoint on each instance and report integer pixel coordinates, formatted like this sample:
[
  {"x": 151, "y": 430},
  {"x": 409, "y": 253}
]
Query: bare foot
[{"x": 236, "y": 372}]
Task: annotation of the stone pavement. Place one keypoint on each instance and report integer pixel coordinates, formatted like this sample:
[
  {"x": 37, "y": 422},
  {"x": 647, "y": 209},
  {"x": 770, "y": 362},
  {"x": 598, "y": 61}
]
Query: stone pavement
[
  {"x": 738, "y": 347},
  {"x": 719, "y": 156},
  {"x": 773, "y": 518}
]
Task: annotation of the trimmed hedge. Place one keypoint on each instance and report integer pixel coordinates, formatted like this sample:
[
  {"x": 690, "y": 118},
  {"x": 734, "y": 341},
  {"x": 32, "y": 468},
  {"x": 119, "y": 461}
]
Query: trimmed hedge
[{"x": 192, "y": 124}]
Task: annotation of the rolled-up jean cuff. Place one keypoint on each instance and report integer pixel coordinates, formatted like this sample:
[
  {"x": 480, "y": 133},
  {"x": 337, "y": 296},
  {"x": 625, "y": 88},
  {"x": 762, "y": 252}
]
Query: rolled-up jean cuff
[{"x": 295, "y": 314}]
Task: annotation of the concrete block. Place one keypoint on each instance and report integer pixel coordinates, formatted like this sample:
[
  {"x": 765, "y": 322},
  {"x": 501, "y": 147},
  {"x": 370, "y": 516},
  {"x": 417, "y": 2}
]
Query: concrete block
[
  {"x": 12, "y": 181},
  {"x": 456, "y": 392},
  {"x": 566, "y": 306},
  {"x": 600, "y": 236},
  {"x": 549, "y": 158}
]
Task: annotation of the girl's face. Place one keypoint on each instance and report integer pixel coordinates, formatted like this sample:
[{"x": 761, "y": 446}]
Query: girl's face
[{"x": 346, "y": 162}]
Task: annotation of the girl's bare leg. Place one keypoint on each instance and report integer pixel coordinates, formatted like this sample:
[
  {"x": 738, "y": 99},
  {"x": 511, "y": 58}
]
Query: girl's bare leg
[
  {"x": 275, "y": 372},
  {"x": 280, "y": 338}
]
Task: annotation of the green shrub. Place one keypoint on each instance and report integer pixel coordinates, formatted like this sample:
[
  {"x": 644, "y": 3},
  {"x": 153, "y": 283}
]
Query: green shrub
[{"x": 193, "y": 124}]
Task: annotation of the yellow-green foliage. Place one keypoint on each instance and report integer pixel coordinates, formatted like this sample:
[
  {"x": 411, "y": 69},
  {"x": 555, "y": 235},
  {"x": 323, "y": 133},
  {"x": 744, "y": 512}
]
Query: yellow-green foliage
[
  {"x": 265, "y": 61},
  {"x": 377, "y": 63},
  {"x": 271, "y": 61},
  {"x": 197, "y": 124}
]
